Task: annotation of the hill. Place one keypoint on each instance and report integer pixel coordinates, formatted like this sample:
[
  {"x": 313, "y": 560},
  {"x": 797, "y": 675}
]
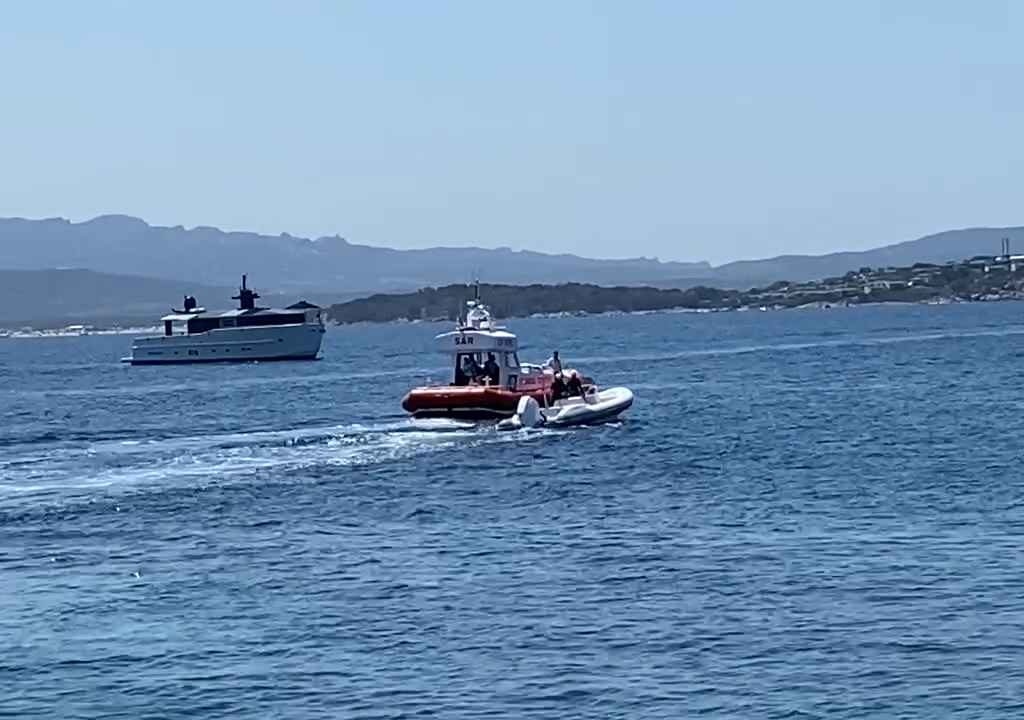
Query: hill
[
  {"x": 125, "y": 245},
  {"x": 981, "y": 279},
  {"x": 518, "y": 301},
  {"x": 48, "y": 298},
  {"x": 938, "y": 248},
  {"x": 206, "y": 256},
  {"x": 129, "y": 246}
]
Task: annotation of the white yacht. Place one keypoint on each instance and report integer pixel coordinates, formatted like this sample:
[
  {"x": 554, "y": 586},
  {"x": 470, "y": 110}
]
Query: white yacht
[{"x": 249, "y": 333}]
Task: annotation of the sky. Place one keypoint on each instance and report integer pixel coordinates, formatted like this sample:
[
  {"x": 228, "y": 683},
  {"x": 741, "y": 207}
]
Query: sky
[{"x": 682, "y": 130}]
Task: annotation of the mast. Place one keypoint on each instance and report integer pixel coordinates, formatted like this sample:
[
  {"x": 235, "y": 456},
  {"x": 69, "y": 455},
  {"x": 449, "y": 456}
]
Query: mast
[{"x": 246, "y": 298}]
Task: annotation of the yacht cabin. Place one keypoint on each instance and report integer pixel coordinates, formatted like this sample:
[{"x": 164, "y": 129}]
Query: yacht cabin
[{"x": 193, "y": 320}]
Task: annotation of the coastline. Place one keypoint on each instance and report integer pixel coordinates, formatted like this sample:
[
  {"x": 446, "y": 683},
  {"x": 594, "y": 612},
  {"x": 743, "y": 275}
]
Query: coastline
[
  {"x": 31, "y": 332},
  {"x": 692, "y": 311},
  {"x": 980, "y": 279}
]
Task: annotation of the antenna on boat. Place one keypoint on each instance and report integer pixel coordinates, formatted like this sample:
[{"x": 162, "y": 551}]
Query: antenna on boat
[{"x": 246, "y": 298}]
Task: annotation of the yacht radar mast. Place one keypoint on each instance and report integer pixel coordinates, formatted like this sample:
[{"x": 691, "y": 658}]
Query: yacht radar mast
[{"x": 246, "y": 298}]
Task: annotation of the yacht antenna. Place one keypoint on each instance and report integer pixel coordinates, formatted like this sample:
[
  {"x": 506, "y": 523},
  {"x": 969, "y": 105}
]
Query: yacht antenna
[{"x": 246, "y": 298}]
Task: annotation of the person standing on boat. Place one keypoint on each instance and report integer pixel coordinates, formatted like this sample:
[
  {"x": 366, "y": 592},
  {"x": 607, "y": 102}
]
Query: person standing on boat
[
  {"x": 554, "y": 362},
  {"x": 491, "y": 373},
  {"x": 471, "y": 369},
  {"x": 558, "y": 389}
]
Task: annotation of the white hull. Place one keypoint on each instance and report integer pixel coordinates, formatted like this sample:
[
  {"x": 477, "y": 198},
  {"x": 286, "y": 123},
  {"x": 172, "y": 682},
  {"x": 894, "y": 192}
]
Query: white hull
[
  {"x": 233, "y": 344},
  {"x": 598, "y": 407}
]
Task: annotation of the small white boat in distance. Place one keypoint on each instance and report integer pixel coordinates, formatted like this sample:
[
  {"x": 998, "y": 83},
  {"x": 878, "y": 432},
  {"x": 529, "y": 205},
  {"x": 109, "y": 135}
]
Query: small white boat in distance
[{"x": 596, "y": 406}]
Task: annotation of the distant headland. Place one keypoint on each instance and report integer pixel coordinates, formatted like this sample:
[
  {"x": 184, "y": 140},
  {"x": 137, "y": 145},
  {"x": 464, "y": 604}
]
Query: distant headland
[
  {"x": 981, "y": 278},
  {"x": 118, "y": 271},
  {"x": 207, "y": 256}
]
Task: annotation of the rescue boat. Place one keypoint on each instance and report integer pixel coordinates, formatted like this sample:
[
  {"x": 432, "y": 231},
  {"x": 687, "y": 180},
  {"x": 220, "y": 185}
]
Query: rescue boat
[{"x": 492, "y": 396}]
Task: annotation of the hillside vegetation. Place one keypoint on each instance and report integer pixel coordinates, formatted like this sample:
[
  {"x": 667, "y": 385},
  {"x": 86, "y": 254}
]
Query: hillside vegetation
[
  {"x": 979, "y": 279},
  {"x": 517, "y": 301}
]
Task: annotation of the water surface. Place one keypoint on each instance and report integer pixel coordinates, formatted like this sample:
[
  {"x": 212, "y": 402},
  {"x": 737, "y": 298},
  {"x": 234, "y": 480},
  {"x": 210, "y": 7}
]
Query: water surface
[{"x": 807, "y": 514}]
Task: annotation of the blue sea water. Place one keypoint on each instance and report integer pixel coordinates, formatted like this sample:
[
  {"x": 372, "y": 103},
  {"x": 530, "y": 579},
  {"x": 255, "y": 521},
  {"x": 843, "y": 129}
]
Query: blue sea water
[{"x": 807, "y": 514}]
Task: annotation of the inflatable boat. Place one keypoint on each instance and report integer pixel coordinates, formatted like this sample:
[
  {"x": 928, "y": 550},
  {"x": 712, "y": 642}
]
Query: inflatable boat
[{"x": 596, "y": 406}]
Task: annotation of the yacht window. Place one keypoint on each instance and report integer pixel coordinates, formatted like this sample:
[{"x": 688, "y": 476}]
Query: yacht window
[
  {"x": 267, "y": 318},
  {"x": 203, "y": 324}
]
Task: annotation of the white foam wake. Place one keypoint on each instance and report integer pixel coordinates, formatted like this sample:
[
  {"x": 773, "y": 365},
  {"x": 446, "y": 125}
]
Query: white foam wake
[{"x": 225, "y": 457}]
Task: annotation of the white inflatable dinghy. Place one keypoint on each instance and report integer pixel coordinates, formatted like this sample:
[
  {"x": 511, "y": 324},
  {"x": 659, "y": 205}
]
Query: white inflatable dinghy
[{"x": 596, "y": 406}]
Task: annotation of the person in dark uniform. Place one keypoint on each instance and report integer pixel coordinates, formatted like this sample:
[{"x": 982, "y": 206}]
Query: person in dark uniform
[
  {"x": 574, "y": 388},
  {"x": 491, "y": 371},
  {"x": 558, "y": 389}
]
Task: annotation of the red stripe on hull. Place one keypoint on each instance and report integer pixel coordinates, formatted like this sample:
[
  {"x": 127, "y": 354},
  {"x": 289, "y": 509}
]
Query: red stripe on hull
[{"x": 467, "y": 402}]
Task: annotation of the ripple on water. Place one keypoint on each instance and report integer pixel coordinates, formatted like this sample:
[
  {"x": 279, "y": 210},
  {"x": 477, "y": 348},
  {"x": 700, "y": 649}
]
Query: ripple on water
[{"x": 806, "y": 515}]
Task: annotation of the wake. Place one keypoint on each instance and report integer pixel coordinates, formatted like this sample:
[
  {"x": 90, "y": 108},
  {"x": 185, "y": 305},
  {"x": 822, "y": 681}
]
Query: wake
[{"x": 226, "y": 457}]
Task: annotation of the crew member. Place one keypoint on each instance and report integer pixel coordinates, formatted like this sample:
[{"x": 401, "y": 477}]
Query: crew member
[
  {"x": 471, "y": 369},
  {"x": 574, "y": 388},
  {"x": 491, "y": 371},
  {"x": 554, "y": 363},
  {"x": 558, "y": 390}
]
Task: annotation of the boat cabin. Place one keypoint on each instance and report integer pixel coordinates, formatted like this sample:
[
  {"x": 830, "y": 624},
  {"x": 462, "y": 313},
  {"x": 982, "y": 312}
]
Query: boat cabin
[
  {"x": 485, "y": 353},
  {"x": 482, "y": 352},
  {"x": 483, "y": 357},
  {"x": 192, "y": 320}
]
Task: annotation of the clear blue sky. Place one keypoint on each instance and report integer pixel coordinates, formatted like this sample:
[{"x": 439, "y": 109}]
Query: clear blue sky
[{"x": 686, "y": 130}]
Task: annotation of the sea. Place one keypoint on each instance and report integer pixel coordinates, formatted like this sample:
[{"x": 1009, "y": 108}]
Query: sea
[{"x": 806, "y": 514}]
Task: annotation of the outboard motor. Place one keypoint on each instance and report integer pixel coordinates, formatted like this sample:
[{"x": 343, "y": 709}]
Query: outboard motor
[
  {"x": 528, "y": 412},
  {"x": 528, "y": 415}
]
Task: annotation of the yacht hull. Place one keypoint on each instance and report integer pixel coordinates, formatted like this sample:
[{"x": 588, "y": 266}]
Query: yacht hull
[{"x": 290, "y": 342}]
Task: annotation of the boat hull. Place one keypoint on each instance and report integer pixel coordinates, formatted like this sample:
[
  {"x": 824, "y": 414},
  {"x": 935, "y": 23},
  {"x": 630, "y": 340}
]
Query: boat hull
[
  {"x": 288, "y": 342},
  {"x": 598, "y": 407},
  {"x": 465, "y": 402}
]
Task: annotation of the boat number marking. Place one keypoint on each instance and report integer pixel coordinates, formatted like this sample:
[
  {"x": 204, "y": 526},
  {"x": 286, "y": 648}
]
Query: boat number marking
[{"x": 464, "y": 340}]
